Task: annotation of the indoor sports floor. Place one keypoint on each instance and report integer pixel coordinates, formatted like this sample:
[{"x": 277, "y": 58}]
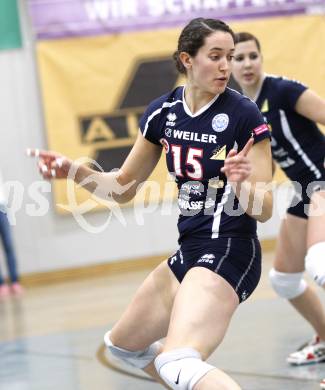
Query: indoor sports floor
[{"x": 52, "y": 337}]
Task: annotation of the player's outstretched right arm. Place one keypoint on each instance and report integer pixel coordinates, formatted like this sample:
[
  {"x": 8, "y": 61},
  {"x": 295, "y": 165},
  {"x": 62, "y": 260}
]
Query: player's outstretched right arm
[{"x": 121, "y": 184}]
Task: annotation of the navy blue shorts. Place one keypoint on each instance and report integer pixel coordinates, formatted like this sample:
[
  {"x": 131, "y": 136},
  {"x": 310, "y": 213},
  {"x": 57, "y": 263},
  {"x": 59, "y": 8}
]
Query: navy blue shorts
[
  {"x": 303, "y": 191},
  {"x": 237, "y": 260}
]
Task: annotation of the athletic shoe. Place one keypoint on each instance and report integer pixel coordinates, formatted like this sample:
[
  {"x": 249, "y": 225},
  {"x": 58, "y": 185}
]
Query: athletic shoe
[
  {"x": 312, "y": 352},
  {"x": 16, "y": 288},
  {"x": 4, "y": 291}
]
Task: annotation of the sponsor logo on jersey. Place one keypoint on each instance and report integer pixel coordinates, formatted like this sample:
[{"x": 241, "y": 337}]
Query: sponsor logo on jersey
[
  {"x": 216, "y": 183},
  {"x": 194, "y": 189},
  {"x": 219, "y": 154},
  {"x": 209, "y": 203},
  {"x": 165, "y": 144},
  {"x": 190, "y": 205},
  {"x": 208, "y": 258},
  {"x": 171, "y": 118},
  {"x": 168, "y": 132},
  {"x": 261, "y": 129},
  {"x": 220, "y": 122},
  {"x": 193, "y": 136}
]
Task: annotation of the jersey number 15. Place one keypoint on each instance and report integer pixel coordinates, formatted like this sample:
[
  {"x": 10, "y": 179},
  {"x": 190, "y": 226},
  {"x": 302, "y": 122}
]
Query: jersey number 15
[{"x": 192, "y": 156}]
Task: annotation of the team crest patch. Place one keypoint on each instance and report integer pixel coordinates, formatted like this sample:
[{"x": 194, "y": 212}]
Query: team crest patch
[
  {"x": 220, "y": 122},
  {"x": 168, "y": 132}
]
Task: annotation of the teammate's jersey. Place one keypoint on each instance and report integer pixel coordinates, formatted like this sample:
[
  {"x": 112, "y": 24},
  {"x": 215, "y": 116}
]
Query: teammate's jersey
[
  {"x": 298, "y": 145},
  {"x": 196, "y": 147}
]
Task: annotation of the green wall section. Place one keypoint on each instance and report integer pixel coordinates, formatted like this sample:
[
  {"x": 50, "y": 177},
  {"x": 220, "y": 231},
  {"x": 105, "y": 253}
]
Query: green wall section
[{"x": 10, "y": 35}]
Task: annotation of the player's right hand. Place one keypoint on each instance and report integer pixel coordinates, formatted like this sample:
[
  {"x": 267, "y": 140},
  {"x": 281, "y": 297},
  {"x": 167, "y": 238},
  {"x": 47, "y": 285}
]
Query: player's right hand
[
  {"x": 51, "y": 164},
  {"x": 237, "y": 167}
]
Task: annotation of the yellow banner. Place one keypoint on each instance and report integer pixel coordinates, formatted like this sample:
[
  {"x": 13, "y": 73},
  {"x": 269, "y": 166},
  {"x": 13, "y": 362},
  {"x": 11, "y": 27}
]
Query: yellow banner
[{"x": 95, "y": 89}]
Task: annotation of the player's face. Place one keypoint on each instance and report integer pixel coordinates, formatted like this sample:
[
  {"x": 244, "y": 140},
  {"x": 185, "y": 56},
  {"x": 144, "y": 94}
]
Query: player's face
[
  {"x": 247, "y": 64},
  {"x": 211, "y": 67}
]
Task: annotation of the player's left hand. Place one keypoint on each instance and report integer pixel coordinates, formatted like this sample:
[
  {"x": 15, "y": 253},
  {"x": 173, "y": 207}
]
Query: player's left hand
[{"x": 237, "y": 166}]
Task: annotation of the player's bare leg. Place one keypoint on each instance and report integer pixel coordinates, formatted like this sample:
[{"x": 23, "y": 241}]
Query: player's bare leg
[
  {"x": 203, "y": 307},
  {"x": 146, "y": 318}
]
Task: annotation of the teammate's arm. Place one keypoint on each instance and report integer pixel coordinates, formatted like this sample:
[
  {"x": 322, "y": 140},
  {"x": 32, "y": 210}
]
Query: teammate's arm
[
  {"x": 311, "y": 106},
  {"x": 121, "y": 184}
]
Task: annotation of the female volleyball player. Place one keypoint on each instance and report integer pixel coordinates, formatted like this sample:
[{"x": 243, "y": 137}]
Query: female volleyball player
[{"x": 218, "y": 147}]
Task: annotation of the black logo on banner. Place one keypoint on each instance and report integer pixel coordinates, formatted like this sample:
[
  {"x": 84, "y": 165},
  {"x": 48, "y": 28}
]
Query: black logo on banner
[{"x": 112, "y": 134}]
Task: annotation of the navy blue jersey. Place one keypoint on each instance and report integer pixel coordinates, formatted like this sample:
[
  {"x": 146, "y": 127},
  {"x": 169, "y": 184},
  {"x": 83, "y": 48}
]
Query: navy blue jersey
[
  {"x": 298, "y": 145},
  {"x": 196, "y": 147}
]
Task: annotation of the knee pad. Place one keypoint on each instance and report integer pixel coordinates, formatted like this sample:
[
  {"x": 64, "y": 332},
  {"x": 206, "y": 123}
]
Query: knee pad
[
  {"x": 287, "y": 285},
  {"x": 315, "y": 262},
  {"x": 181, "y": 368},
  {"x": 139, "y": 359}
]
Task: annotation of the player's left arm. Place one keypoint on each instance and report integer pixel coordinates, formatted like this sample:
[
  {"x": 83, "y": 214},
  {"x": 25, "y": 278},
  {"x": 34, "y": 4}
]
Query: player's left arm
[
  {"x": 249, "y": 172},
  {"x": 260, "y": 179},
  {"x": 311, "y": 106}
]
